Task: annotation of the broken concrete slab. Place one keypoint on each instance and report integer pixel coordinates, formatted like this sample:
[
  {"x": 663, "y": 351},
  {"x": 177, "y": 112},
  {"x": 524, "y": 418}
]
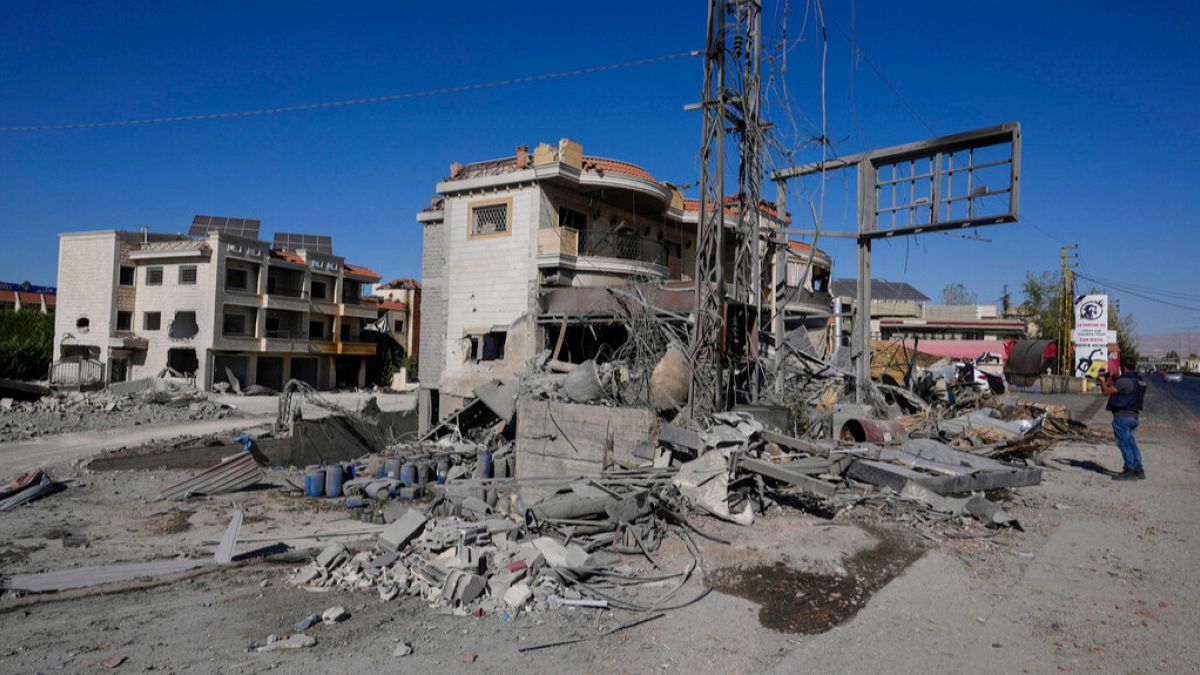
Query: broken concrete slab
[{"x": 397, "y": 534}]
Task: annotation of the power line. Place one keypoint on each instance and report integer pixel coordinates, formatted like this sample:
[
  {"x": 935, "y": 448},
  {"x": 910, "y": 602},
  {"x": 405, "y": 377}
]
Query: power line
[
  {"x": 1140, "y": 295},
  {"x": 353, "y": 101},
  {"x": 1174, "y": 295},
  {"x": 879, "y": 73}
]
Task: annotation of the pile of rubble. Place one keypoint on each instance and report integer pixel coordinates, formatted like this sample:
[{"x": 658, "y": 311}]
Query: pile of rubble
[{"x": 149, "y": 401}]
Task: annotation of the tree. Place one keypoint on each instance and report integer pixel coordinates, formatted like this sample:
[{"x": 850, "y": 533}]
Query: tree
[
  {"x": 1040, "y": 307},
  {"x": 1126, "y": 329},
  {"x": 1172, "y": 355},
  {"x": 26, "y": 344},
  {"x": 957, "y": 294}
]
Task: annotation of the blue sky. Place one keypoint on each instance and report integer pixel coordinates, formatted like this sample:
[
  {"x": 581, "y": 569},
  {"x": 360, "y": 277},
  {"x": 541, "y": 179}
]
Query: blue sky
[{"x": 1107, "y": 94}]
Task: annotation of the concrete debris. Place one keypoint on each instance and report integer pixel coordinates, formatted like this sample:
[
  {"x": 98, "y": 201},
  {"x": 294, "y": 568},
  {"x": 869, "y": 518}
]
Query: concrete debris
[
  {"x": 275, "y": 642},
  {"x": 122, "y": 405},
  {"x": 334, "y": 615}
]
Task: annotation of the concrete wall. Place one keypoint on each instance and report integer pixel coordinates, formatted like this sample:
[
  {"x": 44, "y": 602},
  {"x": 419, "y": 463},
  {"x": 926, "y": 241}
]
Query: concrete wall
[
  {"x": 87, "y": 287},
  {"x": 169, "y": 298},
  {"x": 494, "y": 286},
  {"x": 432, "y": 352}
]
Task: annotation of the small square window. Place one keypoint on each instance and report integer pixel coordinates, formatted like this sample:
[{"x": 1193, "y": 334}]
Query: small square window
[
  {"x": 126, "y": 275},
  {"x": 154, "y": 276},
  {"x": 489, "y": 219},
  {"x": 187, "y": 275},
  {"x": 151, "y": 321},
  {"x": 398, "y": 327},
  {"x": 124, "y": 320}
]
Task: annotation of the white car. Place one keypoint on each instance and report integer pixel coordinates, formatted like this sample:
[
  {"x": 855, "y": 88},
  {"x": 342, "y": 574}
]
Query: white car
[{"x": 1173, "y": 376}]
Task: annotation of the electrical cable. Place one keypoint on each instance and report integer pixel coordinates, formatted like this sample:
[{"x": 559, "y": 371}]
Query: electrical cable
[
  {"x": 354, "y": 101},
  {"x": 1134, "y": 293}
]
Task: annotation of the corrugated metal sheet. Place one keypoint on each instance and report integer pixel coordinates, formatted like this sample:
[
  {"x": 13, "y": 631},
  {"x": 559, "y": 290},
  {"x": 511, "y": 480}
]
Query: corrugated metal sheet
[
  {"x": 880, "y": 290},
  {"x": 231, "y": 475}
]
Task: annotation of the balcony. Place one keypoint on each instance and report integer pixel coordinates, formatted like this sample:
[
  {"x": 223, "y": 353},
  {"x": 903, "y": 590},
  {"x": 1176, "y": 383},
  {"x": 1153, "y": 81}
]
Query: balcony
[
  {"x": 286, "y": 291},
  {"x": 284, "y": 334},
  {"x": 618, "y": 253},
  {"x": 358, "y": 338},
  {"x": 352, "y": 299},
  {"x": 810, "y": 303}
]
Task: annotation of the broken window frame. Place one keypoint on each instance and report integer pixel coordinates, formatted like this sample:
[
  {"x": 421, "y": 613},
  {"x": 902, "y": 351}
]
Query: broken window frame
[
  {"x": 474, "y": 229},
  {"x": 181, "y": 332},
  {"x": 488, "y": 346}
]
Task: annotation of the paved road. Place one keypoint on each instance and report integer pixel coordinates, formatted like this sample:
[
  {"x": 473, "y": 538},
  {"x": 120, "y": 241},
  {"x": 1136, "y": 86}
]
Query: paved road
[{"x": 1105, "y": 580}]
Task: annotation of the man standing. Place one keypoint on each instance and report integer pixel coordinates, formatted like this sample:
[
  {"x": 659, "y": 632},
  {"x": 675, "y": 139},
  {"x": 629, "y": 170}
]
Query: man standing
[{"x": 1125, "y": 395}]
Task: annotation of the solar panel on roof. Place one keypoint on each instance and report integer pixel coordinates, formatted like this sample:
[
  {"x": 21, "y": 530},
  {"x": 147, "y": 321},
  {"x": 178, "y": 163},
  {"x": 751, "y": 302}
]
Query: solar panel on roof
[
  {"x": 316, "y": 243},
  {"x": 242, "y": 227}
]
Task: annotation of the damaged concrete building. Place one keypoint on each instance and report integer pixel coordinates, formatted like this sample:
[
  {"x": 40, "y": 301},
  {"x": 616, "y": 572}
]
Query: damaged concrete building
[
  {"x": 214, "y": 303},
  {"x": 520, "y": 255}
]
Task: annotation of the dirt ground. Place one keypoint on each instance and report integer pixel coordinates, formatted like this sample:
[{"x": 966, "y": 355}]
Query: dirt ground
[{"x": 1102, "y": 579}]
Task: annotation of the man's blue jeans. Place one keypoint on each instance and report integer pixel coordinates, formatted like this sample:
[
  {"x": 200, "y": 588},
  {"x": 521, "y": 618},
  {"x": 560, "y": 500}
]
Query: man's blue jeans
[{"x": 1123, "y": 428}]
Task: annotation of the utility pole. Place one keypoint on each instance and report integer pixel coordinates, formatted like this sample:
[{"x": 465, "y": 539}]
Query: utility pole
[
  {"x": 729, "y": 104},
  {"x": 1066, "y": 308}
]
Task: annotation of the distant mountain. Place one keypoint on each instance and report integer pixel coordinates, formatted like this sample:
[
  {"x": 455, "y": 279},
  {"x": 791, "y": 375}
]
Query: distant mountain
[{"x": 1165, "y": 342}]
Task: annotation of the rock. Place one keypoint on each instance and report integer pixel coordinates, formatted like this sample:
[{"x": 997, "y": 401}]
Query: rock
[
  {"x": 334, "y": 615},
  {"x": 402, "y": 649}
]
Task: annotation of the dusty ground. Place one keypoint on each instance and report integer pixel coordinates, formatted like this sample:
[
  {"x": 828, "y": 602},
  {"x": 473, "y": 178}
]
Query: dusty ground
[{"x": 1103, "y": 579}]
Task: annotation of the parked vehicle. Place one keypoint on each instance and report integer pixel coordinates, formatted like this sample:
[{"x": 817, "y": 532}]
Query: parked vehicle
[{"x": 1173, "y": 376}]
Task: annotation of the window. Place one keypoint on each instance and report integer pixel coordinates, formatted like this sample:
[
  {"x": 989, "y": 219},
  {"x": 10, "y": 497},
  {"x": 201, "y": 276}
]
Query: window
[
  {"x": 126, "y": 275},
  {"x": 82, "y": 324},
  {"x": 316, "y": 330},
  {"x": 489, "y": 219},
  {"x": 236, "y": 278},
  {"x": 154, "y": 276},
  {"x": 187, "y": 275},
  {"x": 234, "y": 324},
  {"x": 398, "y": 327},
  {"x": 151, "y": 321},
  {"x": 487, "y": 347},
  {"x": 318, "y": 290},
  {"x": 576, "y": 220},
  {"x": 124, "y": 320}
]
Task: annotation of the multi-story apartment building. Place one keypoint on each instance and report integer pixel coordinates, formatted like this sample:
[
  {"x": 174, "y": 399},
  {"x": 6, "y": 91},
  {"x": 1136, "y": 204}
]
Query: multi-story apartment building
[
  {"x": 218, "y": 304},
  {"x": 398, "y": 303},
  {"x": 28, "y": 297},
  {"x": 523, "y": 250}
]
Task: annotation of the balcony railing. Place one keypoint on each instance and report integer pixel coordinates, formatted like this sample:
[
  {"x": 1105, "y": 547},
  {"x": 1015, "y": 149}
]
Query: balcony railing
[
  {"x": 286, "y": 291},
  {"x": 359, "y": 338},
  {"x": 287, "y": 334},
  {"x": 623, "y": 245},
  {"x": 352, "y": 299}
]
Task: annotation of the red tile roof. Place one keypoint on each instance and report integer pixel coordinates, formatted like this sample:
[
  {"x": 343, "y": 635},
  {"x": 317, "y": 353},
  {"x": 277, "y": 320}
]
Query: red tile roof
[
  {"x": 803, "y": 247},
  {"x": 731, "y": 202},
  {"x": 8, "y": 296},
  {"x": 401, "y": 284},
  {"x": 361, "y": 272},
  {"x": 29, "y": 298},
  {"x": 603, "y": 165},
  {"x": 288, "y": 256}
]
